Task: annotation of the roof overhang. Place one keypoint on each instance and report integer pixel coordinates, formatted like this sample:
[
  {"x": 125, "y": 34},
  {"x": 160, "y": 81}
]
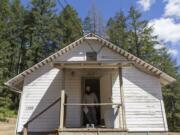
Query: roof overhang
[{"x": 91, "y": 64}]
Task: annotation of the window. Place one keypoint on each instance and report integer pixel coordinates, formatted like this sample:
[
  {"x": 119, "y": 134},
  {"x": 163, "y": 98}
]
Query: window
[{"x": 91, "y": 56}]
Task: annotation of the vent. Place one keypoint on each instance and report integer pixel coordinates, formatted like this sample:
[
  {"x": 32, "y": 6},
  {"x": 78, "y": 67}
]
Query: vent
[{"x": 91, "y": 56}]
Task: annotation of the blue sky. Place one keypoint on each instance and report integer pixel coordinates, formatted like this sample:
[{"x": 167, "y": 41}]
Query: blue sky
[{"x": 164, "y": 16}]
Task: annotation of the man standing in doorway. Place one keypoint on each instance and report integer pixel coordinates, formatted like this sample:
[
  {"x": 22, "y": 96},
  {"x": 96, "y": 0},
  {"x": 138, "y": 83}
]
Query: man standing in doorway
[{"x": 90, "y": 111}]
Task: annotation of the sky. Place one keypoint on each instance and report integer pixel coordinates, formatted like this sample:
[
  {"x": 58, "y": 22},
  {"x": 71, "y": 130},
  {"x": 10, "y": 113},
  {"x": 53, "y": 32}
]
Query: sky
[{"x": 163, "y": 16}]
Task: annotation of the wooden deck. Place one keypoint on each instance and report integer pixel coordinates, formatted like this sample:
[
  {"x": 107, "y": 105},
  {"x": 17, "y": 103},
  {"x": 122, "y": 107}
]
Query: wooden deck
[{"x": 91, "y": 130}]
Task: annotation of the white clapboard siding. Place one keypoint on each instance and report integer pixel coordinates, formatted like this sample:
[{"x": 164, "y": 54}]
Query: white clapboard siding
[
  {"x": 41, "y": 88},
  {"x": 105, "y": 92},
  {"x": 73, "y": 91},
  {"x": 143, "y": 101},
  {"x": 116, "y": 95},
  {"x": 107, "y": 55},
  {"x": 79, "y": 52}
]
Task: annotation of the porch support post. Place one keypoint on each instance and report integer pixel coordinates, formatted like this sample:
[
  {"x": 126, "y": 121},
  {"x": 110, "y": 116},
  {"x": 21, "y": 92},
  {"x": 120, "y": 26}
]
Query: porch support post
[
  {"x": 25, "y": 130},
  {"x": 122, "y": 107},
  {"x": 63, "y": 79},
  {"x": 62, "y": 109},
  {"x": 62, "y": 101}
]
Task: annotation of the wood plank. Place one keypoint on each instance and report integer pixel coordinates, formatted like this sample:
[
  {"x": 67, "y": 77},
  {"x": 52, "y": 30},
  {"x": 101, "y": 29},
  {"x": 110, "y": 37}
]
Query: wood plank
[
  {"x": 122, "y": 99},
  {"x": 142, "y": 96},
  {"x": 62, "y": 109},
  {"x": 25, "y": 131},
  {"x": 90, "y": 129},
  {"x": 91, "y": 104}
]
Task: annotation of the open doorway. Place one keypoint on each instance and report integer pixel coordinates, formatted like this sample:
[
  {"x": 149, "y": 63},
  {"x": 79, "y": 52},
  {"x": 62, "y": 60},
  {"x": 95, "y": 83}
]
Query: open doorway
[{"x": 94, "y": 84}]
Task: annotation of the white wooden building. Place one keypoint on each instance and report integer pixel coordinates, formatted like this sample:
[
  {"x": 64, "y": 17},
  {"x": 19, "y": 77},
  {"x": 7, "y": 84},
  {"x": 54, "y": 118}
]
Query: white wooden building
[{"x": 128, "y": 89}]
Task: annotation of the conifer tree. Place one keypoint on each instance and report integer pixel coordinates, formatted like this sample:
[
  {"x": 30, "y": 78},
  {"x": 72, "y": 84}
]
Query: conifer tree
[
  {"x": 140, "y": 35},
  {"x": 69, "y": 25},
  {"x": 39, "y": 28},
  {"x": 87, "y": 25},
  {"x": 117, "y": 30},
  {"x": 94, "y": 22},
  {"x": 9, "y": 44}
]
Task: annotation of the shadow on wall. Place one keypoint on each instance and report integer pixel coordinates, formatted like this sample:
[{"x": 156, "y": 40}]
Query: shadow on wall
[
  {"x": 46, "y": 89},
  {"x": 112, "y": 113}
]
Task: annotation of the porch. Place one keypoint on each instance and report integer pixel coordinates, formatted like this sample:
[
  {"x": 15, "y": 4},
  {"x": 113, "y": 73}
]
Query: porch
[
  {"x": 100, "y": 129},
  {"x": 75, "y": 77}
]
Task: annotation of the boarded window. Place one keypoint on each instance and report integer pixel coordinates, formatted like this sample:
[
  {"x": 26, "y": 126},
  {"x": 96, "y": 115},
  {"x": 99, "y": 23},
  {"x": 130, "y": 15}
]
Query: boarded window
[{"x": 91, "y": 56}]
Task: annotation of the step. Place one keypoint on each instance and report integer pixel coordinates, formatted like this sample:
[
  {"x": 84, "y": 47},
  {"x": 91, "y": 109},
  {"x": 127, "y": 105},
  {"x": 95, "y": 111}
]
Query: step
[{"x": 91, "y": 131}]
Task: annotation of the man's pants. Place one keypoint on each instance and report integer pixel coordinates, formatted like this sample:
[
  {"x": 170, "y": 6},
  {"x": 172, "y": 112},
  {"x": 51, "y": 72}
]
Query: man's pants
[{"x": 91, "y": 115}]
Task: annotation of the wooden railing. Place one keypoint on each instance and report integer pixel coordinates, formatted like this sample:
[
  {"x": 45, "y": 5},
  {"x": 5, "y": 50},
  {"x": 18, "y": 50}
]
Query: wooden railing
[
  {"x": 117, "y": 105},
  {"x": 92, "y": 104},
  {"x": 64, "y": 105},
  {"x": 25, "y": 129}
]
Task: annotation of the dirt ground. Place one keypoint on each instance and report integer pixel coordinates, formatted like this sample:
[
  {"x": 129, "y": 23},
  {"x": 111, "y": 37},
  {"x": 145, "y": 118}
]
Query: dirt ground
[
  {"x": 8, "y": 128},
  {"x": 174, "y": 133}
]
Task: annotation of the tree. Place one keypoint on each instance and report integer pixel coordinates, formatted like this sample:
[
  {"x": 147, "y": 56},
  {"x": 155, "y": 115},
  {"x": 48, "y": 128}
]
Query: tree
[
  {"x": 117, "y": 30},
  {"x": 39, "y": 30},
  {"x": 94, "y": 22},
  {"x": 171, "y": 96},
  {"x": 132, "y": 34},
  {"x": 140, "y": 35},
  {"x": 9, "y": 44},
  {"x": 87, "y": 25},
  {"x": 69, "y": 26}
]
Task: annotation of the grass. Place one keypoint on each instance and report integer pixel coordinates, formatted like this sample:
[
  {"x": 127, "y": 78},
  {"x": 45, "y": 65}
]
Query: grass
[
  {"x": 6, "y": 110},
  {"x": 6, "y": 113}
]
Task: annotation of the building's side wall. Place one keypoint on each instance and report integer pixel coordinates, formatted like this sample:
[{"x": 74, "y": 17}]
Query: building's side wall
[
  {"x": 41, "y": 88},
  {"x": 143, "y": 101}
]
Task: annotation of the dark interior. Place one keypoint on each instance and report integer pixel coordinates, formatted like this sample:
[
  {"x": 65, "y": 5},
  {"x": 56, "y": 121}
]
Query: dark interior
[{"x": 94, "y": 83}]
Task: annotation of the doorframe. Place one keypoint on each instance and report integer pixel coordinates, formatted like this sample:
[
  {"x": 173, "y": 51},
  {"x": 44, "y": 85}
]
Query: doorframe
[{"x": 83, "y": 78}]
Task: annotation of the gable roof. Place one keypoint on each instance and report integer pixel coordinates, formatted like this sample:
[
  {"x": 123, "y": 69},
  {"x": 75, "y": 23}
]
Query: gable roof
[{"x": 17, "y": 81}]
